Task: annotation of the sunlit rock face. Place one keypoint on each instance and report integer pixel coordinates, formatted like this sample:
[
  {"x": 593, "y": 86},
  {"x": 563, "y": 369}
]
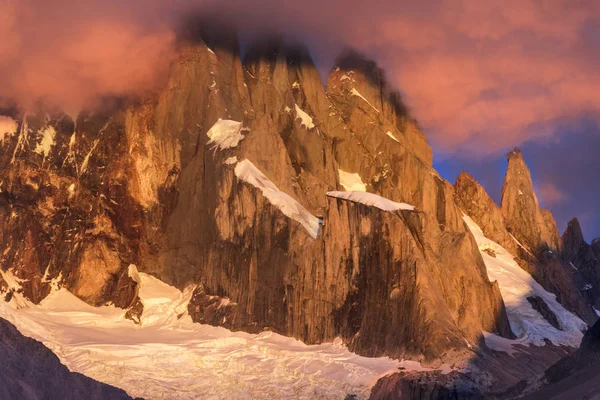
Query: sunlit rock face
[
  {"x": 220, "y": 182},
  {"x": 525, "y": 219}
]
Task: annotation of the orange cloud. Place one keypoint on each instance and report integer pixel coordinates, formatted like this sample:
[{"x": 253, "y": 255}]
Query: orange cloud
[{"x": 485, "y": 75}]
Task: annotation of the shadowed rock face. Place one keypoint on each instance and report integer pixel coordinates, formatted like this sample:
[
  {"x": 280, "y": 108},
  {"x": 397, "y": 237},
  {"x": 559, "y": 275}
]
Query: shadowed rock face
[
  {"x": 575, "y": 376},
  {"x": 580, "y": 255},
  {"x": 31, "y": 371},
  {"x": 596, "y": 247},
  {"x": 143, "y": 183}
]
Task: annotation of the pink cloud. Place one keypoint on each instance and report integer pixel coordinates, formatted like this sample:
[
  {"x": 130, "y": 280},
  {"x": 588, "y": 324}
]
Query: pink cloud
[
  {"x": 481, "y": 75},
  {"x": 549, "y": 195}
]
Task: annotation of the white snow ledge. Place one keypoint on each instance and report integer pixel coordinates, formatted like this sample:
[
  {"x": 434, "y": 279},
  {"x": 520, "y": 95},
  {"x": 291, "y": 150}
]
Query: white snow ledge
[
  {"x": 225, "y": 134},
  {"x": 305, "y": 119},
  {"x": 247, "y": 172},
  {"x": 370, "y": 199},
  {"x": 8, "y": 127}
]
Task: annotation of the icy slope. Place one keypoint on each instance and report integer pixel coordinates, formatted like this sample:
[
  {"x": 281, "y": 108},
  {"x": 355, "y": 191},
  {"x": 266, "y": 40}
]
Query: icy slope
[
  {"x": 171, "y": 358},
  {"x": 516, "y": 285}
]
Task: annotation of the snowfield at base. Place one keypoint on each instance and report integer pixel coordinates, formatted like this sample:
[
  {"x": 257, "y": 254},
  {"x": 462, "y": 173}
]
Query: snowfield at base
[
  {"x": 247, "y": 172},
  {"x": 516, "y": 285},
  {"x": 305, "y": 119},
  {"x": 352, "y": 182},
  {"x": 225, "y": 134},
  {"x": 8, "y": 127},
  {"x": 370, "y": 199},
  {"x": 169, "y": 357}
]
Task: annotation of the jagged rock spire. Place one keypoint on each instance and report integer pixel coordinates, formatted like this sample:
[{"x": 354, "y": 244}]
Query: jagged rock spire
[
  {"x": 525, "y": 219},
  {"x": 573, "y": 236}
]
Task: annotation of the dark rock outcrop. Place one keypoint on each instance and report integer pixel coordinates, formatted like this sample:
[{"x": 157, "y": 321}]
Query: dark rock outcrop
[
  {"x": 425, "y": 386},
  {"x": 596, "y": 247},
  {"x": 31, "y": 371},
  {"x": 580, "y": 256},
  {"x": 540, "y": 306},
  {"x": 575, "y": 376}
]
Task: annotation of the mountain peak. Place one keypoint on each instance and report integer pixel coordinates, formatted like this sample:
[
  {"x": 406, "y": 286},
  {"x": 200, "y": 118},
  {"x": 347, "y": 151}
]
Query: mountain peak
[
  {"x": 516, "y": 155},
  {"x": 353, "y": 61},
  {"x": 464, "y": 176},
  {"x": 573, "y": 232},
  {"x": 526, "y": 220}
]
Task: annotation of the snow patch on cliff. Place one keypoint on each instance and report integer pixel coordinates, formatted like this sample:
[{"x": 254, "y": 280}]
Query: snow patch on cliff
[
  {"x": 225, "y": 134},
  {"x": 392, "y": 136},
  {"x": 357, "y": 94},
  {"x": 515, "y": 286},
  {"x": 170, "y": 357},
  {"x": 247, "y": 172},
  {"x": 371, "y": 199},
  {"x": 8, "y": 127},
  {"x": 45, "y": 145},
  {"x": 231, "y": 160},
  {"x": 352, "y": 182},
  {"x": 305, "y": 119}
]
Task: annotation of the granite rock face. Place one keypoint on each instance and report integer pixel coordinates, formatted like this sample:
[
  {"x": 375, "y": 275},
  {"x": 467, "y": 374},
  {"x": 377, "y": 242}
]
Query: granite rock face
[
  {"x": 65, "y": 211},
  {"x": 474, "y": 201},
  {"x": 160, "y": 183},
  {"x": 564, "y": 266},
  {"x": 30, "y": 371},
  {"x": 531, "y": 225}
]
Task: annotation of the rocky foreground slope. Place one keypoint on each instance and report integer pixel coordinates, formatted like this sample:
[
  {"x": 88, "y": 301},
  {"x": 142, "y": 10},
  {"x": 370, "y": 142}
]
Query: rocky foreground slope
[
  {"x": 231, "y": 180},
  {"x": 31, "y": 371}
]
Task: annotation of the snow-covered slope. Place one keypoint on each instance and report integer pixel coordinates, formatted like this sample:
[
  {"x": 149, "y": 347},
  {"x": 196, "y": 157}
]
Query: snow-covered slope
[
  {"x": 169, "y": 357},
  {"x": 516, "y": 285}
]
